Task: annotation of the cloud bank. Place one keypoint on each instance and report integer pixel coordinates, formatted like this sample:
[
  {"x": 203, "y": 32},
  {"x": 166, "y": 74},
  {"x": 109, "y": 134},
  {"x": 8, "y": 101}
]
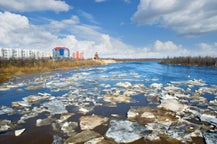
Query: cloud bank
[
  {"x": 16, "y": 31},
  {"x": 34, "y": 5},
  {"x": 186, "y": 17}
]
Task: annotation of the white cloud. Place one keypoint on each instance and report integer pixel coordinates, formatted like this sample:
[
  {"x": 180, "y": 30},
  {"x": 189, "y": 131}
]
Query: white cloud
[
  {"x": 167, "y": 46},
  {"x": 17, "y": 32},
  {"x": 34, "y": 5},
  {"x": 163, "y": 49},
  {"x": 185, "y": 17},
  {"x": 98, "y": 1},
  {"x": 206, "y": 49},
  {"x": 64, "y": 23},
  {"x": 73, "y": 26},
  {"x": 88, "y": 16},
  {"x": 15, "y": 21}
]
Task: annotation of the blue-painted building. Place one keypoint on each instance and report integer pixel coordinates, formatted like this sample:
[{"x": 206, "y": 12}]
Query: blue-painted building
[{"x": 61, "y": 53}]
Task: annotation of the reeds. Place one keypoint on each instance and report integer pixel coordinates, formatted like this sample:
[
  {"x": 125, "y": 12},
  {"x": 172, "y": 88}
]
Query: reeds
[{"x": 9, "y": 68}]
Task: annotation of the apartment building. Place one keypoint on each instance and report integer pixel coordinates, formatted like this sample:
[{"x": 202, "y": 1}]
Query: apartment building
[{"x": 8, "y": 53}]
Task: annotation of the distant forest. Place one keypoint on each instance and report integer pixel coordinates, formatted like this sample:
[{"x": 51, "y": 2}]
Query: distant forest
[{"x": 196, "y": 61}]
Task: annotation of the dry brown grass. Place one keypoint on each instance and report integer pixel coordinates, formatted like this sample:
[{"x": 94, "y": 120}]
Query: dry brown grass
[{"x": 9, "y": 69}]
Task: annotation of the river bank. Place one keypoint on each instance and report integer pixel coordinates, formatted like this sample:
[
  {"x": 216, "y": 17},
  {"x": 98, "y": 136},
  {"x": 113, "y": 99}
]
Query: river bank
[
  {"x": 10, "y": 68},
  {"x": 191, "y": 61}
]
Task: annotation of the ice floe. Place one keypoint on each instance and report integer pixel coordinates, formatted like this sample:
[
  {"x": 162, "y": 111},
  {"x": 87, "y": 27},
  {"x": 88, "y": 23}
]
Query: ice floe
[
  {"x": 5, "y": 125},
  {"x": 5, "y": 110},
  {"x": 20, "y": 104},
  {"x": 36, "y": 98},
  {"x": 95, "y": 141},
  {"x": 124, "y": 84},
  {"x": 117, "y": 98},
  {"x": 69, "y": 128},
  {"x": 173, "y": 105},
  {"x": 57, "y": 140},
  {"x": 82, "y": 137},
  {"x": 209, "y": 118},
  {"x": 64, "y": 117},
  {"x": 210, "y": 138},
  {"x": 90, "y": 122},
  {"x": 43, "y": 122},
  {"x": 19, "y": 132},
  {"x": 124, "y": 131},
  {"x": 156, "y": 85},
  {"x": 55, "y": 107}
]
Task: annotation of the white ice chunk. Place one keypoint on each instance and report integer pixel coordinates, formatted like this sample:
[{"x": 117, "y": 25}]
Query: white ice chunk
[
  {"x": 210, "y": 138},
  {"x": 20, "y": 103},
  {"x": 156, "y": 85},
  {"x": 124, "y": 84},
  {"x": 209, "y": 118},
  {"x": 124, "y": 131},
  {"x": 19, "y": 132},
  {"x": 5, "y": 110},
  {"x": 55, "y": 107},
  {"x": 173, "y": 105}
]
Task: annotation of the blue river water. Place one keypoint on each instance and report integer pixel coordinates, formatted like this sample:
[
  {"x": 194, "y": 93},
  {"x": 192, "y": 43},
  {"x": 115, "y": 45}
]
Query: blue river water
[
  {"x": 134, "y": 72},
  {"x": 87, "y": 87}
]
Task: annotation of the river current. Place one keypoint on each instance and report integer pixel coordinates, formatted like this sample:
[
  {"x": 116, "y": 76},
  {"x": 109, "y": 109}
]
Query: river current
[{"x": 138, "y": 95}]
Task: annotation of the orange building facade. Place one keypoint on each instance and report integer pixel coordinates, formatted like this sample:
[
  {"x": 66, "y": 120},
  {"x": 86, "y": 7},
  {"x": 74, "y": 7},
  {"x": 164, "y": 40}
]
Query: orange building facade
[{"x": 77, "y": 55}]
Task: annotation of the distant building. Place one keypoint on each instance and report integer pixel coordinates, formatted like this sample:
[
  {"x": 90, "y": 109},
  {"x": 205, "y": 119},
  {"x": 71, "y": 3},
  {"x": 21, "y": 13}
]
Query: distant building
[
  {"x": 78, "y": 55},
  {"x": 8, "y": 53},
  {"x": 61, "y": 53},
  {"x": 96, "y": 56}
]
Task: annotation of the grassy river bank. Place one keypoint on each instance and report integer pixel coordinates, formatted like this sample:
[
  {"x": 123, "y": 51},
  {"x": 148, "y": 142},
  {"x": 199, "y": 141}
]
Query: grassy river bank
[{"x": 10, "y": 68}]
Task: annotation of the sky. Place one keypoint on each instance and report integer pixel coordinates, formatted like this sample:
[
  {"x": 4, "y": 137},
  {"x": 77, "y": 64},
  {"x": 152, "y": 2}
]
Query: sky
[{"x": 113, "y": 28}]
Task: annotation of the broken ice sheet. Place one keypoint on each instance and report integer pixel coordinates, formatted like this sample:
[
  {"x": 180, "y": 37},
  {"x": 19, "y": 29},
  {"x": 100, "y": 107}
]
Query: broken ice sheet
[
  {"x": 36, "y": 98},
  {"x": 124, "y": 131},
  {"x": 20, "y": 104},
  {"x": 5, "y": 125},
  {"x": 5, "y": 110},
  {"x": 210, "y": 138},
  {"x": 209, "y": 118},
  {"x": 99, "y": 140},
  {"x": 156, "y": 85},
  {"x": 123, "y": 84},
  {"x": 196, "y": 82},
  {"x": 69, "y": 128},
  {"x": 117, "y": 98},
  {"x": 82, "y": 137},
  {"x": 19, "y": 132},
  {"x": 57, "y": 139},
  {"x": 55, "y": 107},
  {"x": 43, "y": 122},
  {"x": 173, "y": 105},
  {"x": 90, "y": 122}
]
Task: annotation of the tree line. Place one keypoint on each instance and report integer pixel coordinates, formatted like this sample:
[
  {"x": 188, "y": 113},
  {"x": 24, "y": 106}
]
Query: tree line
[{"x": 196, "y": 61}]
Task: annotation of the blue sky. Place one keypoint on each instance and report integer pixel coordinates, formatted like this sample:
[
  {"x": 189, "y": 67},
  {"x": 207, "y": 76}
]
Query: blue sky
[{"x": 113, "y": 28}]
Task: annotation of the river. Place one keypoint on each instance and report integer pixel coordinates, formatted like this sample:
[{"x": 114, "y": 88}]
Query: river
[{"x": 150, "y": 101}]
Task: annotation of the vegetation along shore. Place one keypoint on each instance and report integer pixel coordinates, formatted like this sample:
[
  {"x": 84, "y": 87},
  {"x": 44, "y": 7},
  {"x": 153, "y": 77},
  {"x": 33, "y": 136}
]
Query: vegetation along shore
[
  {"x": 9, "y": 68},
  {"x": 191, "y": 61},
  {"x": 12, "y": 67}
]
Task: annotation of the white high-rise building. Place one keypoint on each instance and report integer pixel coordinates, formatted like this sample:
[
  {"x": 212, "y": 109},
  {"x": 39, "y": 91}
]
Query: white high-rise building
[{"x": 7, "y": 53}]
